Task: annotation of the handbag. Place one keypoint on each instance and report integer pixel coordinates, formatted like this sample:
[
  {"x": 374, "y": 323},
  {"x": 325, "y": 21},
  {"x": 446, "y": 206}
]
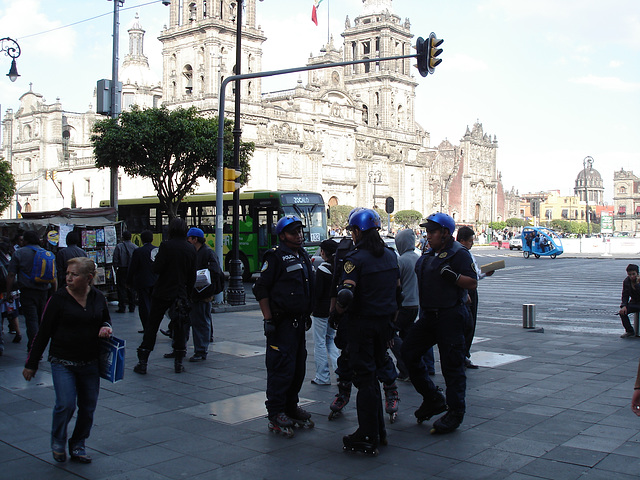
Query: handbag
[{"x": 111, "y": 360}]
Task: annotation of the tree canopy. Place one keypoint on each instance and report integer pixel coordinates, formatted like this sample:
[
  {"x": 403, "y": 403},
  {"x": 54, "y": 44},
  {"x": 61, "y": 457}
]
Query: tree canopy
[
  {"x": 338, "y": 215},
  {"x": 7, "y": 185},
  {"x": 515, "y": 222},
  {"x": 174, "y": 149},
  {"x": 408, "y": 218}
]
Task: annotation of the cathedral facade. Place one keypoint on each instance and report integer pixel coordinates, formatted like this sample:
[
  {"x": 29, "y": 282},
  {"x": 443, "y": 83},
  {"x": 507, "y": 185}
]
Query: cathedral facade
[{"x": 348, "y": 132}]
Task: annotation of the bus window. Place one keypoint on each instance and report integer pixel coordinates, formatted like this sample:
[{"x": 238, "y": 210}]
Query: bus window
[
  {"x": 153, "y": 221},
  {"x": 208, "y": 218}
]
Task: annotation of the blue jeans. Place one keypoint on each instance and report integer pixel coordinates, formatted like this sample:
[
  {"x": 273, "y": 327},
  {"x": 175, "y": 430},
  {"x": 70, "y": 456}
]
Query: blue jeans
[
  {"x": 323, "y": 336},
  {"x": 73, "y": 385},
  {"x": 201, "y": 325}
]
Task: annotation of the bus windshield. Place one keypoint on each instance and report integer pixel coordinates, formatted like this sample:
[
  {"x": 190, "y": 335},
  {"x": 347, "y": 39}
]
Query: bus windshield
[{"x": 313, "y": 218}]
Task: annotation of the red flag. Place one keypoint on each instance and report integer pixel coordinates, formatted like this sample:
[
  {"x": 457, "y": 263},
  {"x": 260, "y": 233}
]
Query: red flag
[{"x": 314, "y": 12}]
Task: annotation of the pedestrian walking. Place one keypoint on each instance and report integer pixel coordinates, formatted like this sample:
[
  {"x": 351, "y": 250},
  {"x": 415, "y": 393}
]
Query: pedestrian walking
[
  {"x": 630, "y": 301},
  {"x": 121, "y": 259},
  {"x": 444, "y": 272}
]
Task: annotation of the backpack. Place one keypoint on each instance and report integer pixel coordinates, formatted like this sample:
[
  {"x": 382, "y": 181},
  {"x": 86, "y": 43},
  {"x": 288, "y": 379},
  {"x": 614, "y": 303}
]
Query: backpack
[{"x": 44, "y": 266}]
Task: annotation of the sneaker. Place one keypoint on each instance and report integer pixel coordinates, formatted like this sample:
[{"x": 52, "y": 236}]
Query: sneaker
[
  {"x": 198, "y": 357},
  {"x": 318, "y": 382},
  {"x": 172, "y": 354},
  {"x": 627, "y": 334},
  {"x": 59, "y": 455},
  {"x": 78, "y": 454}
]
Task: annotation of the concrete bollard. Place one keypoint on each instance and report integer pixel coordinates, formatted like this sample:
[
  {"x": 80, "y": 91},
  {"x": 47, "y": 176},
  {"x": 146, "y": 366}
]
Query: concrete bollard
[
  {"x": 636, "y": 323},
  {"x": 529, "y": 315}
]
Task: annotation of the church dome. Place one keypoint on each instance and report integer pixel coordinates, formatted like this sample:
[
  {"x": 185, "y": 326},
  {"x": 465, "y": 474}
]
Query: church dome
[{"x": 593, "y": 178}]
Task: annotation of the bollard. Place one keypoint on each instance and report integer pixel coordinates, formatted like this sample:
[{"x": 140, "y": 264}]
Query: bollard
[
  {"x": 529, "y": 315},
  {"x": 636, "y": 323}
]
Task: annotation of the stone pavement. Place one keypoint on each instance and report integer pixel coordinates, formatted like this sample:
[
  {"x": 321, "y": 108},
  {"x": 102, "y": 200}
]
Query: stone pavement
[{"x": 542, "y": 405}]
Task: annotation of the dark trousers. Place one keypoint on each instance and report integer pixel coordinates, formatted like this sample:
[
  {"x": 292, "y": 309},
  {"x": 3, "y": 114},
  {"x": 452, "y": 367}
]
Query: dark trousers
[
  {"x": 126, "y": 296},
  {"x": 144, "y": 304},
  {"x": 470, "y": 331},
  {"x": 445, "y": 328},
  {"x": 180, "y": 325},
  {"x": 631, "y": 308},
  {"x": 367, "y": 339},
  {"x": 406, "y": 318},
  {"x": 286, "y": 364},
  {"x": 32, "y": 302}
]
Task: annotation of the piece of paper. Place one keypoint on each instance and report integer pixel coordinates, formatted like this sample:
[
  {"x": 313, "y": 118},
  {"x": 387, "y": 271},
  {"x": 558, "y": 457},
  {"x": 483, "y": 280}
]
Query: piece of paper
[{"x": 490, "y": 267}]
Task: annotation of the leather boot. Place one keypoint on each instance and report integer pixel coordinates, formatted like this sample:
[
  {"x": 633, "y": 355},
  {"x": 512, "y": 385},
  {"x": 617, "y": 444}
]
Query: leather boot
[
  {"x": 177, "y": 361},
  {"x": 143, "y": 358}
]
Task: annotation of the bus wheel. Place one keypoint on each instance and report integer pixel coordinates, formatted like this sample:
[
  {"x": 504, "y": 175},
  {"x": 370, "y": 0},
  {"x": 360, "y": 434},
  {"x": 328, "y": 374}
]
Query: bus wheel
[{"x": 525, "y": 254}]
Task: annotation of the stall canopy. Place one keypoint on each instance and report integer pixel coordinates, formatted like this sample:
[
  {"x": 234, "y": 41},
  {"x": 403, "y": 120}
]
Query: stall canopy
[{"x": 80, "y": 217}]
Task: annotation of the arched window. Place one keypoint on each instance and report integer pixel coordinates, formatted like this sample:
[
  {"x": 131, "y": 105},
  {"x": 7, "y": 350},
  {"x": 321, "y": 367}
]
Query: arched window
[
  {"x": 365, "y": 114},
  {"x": 622, "y": 190},
  {"x": 377, "y": 96},
  {"x": 400, "y": 112},
  {"x": 193, "y": 11},
  {"x": 333, "y": 201}
]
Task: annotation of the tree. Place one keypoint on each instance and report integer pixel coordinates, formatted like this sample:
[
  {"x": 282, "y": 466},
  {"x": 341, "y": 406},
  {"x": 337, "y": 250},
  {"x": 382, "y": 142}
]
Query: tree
[
  {"x": 338, "y": 215},
  {"x": 174, "y": 149},
  {"x": 7, "y": 185},
  {"x": 408, "y": 218},
  {"x": 497, "y": 225},
  {"x": 515, "y": 222}
]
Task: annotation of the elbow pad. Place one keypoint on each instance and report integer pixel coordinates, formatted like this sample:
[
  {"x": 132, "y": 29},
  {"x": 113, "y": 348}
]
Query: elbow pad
[{"x": 345, "y": 295}]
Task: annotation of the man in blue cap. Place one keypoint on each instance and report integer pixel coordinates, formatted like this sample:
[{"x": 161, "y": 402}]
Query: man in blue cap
[{"x": 201, "y": 296}]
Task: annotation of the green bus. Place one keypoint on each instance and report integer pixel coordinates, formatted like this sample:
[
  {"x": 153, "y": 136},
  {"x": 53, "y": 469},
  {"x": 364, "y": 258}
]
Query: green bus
[{"x": 260, "y": 210}]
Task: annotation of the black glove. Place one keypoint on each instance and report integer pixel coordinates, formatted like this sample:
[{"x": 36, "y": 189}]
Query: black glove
[
  {"x": 448, "y": 274},
  {"x": 269, "y": 327},
  {"x": 334, "y": 319}
]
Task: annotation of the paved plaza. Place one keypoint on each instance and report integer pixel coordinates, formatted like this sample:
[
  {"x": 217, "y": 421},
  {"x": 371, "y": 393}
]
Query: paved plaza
[{"x": 543, "y": 405}]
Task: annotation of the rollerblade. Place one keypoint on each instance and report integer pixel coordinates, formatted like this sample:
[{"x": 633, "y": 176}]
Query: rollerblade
[
  {"x": 356, "y": 442},
  {"x": 301, "y": 418},
  {"x": 431, "y": 406},
  {"x": 281, "y": 424},
  {"x": 391, "y": 400},
  {"x": 448, "y": 422},
  {"x": 342, "y": 398}
]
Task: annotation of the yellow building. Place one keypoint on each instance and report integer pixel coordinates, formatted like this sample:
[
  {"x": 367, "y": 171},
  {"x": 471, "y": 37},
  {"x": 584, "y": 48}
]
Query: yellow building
[{"x": 560, "y": 207}]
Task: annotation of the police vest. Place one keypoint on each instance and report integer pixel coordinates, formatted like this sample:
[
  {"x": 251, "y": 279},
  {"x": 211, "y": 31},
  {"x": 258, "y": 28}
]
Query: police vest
[
  {"x": 291, "y": 292},
  {"x": 434, "y": 291}
]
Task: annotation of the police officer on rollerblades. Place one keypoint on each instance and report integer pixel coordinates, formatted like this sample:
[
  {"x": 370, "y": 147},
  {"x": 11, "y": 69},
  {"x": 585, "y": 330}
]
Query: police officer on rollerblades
[
  {"x": 368, "y": 290},
  {"x": 284, "y": 292},
  {"x": 444, "y": 272}
]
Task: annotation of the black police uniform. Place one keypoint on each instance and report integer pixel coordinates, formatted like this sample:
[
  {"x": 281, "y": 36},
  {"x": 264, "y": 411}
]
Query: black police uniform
[
  {"x": 286, "y": 280},
  {"x": 368, "y": 328},
  {"x": 442, "y": 320},
  {"x": 386, "y": 373}
]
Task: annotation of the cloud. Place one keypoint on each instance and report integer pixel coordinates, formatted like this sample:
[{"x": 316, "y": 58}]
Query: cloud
[
  {"x": 607, "y": 83},
  {"x": 615, "y": 63}
]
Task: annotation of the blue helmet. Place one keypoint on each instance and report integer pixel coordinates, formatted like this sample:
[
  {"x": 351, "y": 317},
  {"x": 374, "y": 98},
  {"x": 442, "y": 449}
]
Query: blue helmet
[
  {"x": 286, "y": 222},
  {"x": 442, "y": 219},
  {"x": 365, "y": 219}
]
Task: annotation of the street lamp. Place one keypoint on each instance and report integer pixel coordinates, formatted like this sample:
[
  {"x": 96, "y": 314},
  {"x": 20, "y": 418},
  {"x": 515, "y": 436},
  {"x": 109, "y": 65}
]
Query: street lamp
[
  {"x": 12, "y": 49},
  {"x": 375, "y": 178},
  {"x": 587, "y": 163}
]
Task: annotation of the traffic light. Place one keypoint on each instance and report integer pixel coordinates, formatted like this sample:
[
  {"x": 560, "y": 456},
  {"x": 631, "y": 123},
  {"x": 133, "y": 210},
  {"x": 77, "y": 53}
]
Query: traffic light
[
  {"x": 433, "y": 60},
  {"x": 54, "y": 175},
  {"x": 422, "y": 53},
  {"x": 230, "y": 184},
  {"x": 388, "y": 206},
  {"x": 46, "y": 174}
]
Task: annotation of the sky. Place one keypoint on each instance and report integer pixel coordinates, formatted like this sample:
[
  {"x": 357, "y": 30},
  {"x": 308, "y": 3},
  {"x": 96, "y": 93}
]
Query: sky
[{"x": 554, "y": 80}]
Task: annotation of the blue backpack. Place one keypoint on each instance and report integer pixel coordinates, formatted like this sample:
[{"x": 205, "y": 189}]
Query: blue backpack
[{"x": 44, "y": 266}]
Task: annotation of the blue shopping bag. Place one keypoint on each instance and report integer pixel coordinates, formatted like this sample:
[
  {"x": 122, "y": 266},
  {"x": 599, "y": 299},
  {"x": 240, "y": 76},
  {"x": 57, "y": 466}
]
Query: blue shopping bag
[{"x": 112, "y": 359}]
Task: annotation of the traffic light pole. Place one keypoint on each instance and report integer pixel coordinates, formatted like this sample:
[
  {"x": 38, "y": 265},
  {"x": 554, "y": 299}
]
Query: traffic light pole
[{"x": 236, "y": 288}]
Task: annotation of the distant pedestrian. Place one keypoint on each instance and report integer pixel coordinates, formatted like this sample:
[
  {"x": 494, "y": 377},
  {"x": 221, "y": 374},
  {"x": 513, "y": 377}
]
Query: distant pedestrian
[
  {"x": 33, "y": 295},
  {"x": 72, "y": 250},
  {"x": 175, "y": 265},
  {"x": 323, "y": 335},
  {"x": 630, "y": 301},
  {"x": 121, "y": 260},
  {"x": 140, "y": 275}
]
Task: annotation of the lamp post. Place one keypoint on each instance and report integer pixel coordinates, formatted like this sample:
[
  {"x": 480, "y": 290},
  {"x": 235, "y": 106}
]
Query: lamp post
[
  {"x": 12, "y": 49},
  {"x": 587, "y": 163},
  {"x": 375, "y": 178},
  {"x": 115, "y": 106},
  {"x": 235, "y": 292}
]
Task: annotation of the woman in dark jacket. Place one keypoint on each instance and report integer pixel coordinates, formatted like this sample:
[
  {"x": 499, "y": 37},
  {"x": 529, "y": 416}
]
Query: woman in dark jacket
[{"x": 75, "y": 317}]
